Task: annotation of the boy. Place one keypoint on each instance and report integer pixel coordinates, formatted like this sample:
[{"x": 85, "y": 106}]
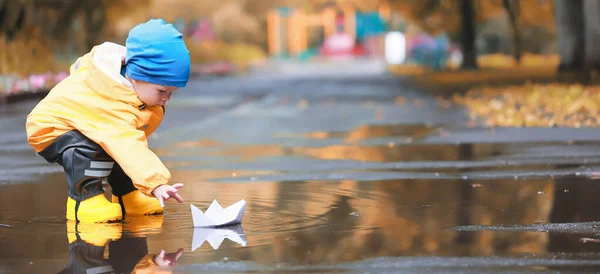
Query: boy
[{"x": 95, "y": 123}]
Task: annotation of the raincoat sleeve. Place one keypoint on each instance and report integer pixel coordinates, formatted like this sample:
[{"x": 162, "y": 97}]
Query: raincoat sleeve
[
  {"x": 145, "y": 265},
  {"x": 129, "y": 148}
]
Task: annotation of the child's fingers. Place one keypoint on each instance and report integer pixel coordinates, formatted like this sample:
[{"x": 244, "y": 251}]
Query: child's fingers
[
  {"x": 173, "y": 193},
  {"x": 160, "y": 201},
  {"x": 178, "y": 185},
  {"x": 178, "y": 254},
  {"x": 161, "y": 255},
  {"x": 177, "y": 197}
]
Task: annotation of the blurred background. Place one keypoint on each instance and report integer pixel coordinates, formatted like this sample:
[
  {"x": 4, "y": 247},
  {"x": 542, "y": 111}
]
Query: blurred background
[
  {"x": 355, "y": 129},
  {"x": 41, "y": 38}
]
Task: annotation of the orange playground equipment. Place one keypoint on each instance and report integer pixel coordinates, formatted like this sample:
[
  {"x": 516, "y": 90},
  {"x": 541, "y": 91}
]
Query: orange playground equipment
[{"x": 287, "y": 28}]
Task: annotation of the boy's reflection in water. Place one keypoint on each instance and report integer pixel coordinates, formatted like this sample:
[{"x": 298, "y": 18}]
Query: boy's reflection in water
[{"x": 126, "y": 253}]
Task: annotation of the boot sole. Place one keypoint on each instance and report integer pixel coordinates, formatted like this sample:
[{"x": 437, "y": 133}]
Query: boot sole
[
  {"x": 92, "y": 221},
  {"x": 115, "y": 217},
  {"x": 155, "y": 212}
]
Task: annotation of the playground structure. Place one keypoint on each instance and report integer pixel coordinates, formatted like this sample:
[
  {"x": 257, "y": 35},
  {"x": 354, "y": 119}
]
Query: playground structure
[{"x": 287, "y": 28}]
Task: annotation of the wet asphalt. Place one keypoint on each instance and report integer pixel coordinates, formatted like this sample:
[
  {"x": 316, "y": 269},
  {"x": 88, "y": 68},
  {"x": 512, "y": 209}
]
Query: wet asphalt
[{"x": 344, "y": 171}]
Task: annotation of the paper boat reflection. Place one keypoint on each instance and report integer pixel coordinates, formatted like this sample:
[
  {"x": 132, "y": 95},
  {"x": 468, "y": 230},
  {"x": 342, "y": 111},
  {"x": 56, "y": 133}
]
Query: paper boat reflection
[
  {"x": 217, "y": 216},
  {"x": 216, "y": 236}
]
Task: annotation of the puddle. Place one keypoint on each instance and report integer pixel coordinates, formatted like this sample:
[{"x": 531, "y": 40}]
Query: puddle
[
  {"x": 415, "y": 132},
  {"x": 316, "y": 223},
  {"x": 382, "y": 152}
]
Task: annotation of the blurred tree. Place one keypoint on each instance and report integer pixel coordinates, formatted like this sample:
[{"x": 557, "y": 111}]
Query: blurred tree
[
  {"x": 56, "y": 18},
  {"x": 570, "y": 30},
  {"x": 578, "y": 29},
  {"x": 12, "y": 18},
  {"x": 41, "y": 35},
  {"x": 468, "y": 34},
  {"x": 91, "y": 13},
  {"x": 513, "y": 9}
]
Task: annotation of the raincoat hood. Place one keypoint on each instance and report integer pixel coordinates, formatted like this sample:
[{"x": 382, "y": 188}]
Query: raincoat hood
[{"x": 104, "y": 73}]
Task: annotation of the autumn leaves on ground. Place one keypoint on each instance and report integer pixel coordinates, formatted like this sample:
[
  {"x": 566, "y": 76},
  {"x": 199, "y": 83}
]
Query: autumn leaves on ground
[
  {"x": 535, "y": 105},
  {"x": 550, "y": 104},
  {"x": 532, "y": 105}
]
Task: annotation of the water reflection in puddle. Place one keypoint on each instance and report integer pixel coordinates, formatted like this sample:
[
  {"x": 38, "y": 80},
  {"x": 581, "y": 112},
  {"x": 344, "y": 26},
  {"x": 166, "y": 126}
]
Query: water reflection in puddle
[{"x": 305, "y": 223}]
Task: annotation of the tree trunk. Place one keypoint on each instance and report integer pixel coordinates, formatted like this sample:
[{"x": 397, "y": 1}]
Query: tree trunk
[
  {"x": 512, "y": 7},
  {"x": 570, "y": 32},
  {"x": 468, "y": 34},
  {"x": 12, "y": 18},
  {"x": 95, "y": 20},
  {"x": 591, "y": 35}
]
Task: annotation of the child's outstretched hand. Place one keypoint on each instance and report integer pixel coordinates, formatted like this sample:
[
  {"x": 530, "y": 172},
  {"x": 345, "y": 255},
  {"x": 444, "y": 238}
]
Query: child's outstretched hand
[
  {"x": 165, "y": 192},
  {"x": 167, "y": 259}
]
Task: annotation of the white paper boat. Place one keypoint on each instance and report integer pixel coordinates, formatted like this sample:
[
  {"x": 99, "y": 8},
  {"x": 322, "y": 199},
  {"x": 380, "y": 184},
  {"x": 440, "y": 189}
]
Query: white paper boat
[
  {"x": 216, "y": 236},
  {"x": 216, "y": 216}
]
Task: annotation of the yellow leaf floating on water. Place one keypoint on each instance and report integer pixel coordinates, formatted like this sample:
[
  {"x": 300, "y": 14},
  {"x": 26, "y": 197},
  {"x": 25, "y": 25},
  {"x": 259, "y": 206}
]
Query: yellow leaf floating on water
[
  {"x": 302, "y": 104},
  {"x": 400, "y": 100},
  {"x": 378, "y": 114}
]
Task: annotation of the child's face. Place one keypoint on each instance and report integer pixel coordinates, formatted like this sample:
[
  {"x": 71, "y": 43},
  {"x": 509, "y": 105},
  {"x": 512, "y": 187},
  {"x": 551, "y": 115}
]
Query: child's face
[{"x": 153, "y": 94}]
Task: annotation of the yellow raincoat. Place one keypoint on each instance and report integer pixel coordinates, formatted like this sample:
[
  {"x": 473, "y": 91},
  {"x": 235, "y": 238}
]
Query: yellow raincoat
[{"x": 100, "y": 103}]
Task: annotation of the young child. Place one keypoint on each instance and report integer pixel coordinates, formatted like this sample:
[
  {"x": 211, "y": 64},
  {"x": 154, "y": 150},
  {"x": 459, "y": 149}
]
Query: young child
[{"x": 95, "y": 123}]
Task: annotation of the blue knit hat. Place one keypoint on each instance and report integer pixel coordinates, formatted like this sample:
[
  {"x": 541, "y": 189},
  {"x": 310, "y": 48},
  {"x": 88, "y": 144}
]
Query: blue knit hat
[{"x": 156, "y": 53}]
